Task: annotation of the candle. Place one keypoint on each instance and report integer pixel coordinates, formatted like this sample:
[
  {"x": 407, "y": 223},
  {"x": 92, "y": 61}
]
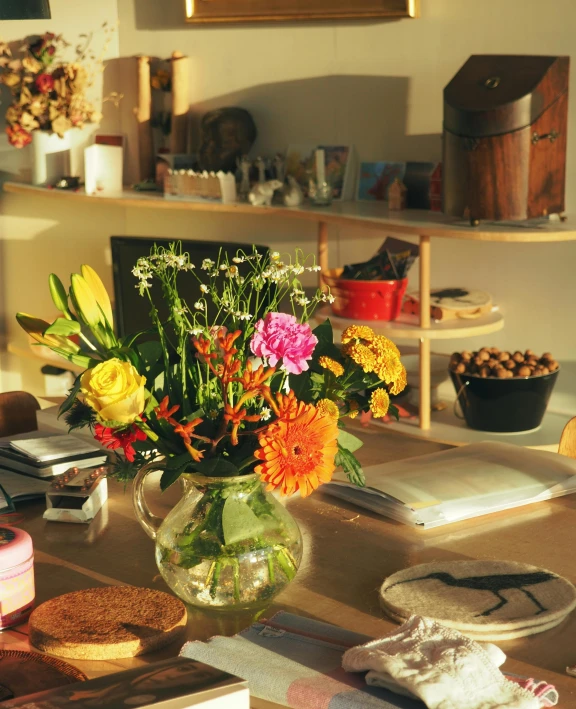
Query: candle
[
  {"x": 146, "y": 166},
  {"x": 320, "y": 166}
]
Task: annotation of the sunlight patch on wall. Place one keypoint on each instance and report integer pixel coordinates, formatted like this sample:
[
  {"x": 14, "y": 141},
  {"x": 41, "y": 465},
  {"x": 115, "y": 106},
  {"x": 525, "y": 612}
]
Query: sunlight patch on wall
[{"x": 14, "y": 228}]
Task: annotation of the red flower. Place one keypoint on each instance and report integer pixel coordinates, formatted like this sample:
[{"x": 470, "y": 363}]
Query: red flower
[
  {"x": 45, "y": 83},
  {"x": 113, "y": 440},
  {"x": 163, "y": 412},
  {"x": 17, "y": 136}
]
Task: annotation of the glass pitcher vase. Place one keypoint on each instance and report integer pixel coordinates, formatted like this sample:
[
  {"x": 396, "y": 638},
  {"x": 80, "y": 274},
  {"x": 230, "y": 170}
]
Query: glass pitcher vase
[{"x": 227, "y": 544}]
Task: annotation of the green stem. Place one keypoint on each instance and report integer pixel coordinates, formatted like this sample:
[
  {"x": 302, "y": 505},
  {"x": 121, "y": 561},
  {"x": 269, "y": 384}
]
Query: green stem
[
  {"x": 236, "y": 571},
  {"x": 271, "y": 573},
  {"x": 286, "y": 563},
  {"x": 215, "y": 578}
]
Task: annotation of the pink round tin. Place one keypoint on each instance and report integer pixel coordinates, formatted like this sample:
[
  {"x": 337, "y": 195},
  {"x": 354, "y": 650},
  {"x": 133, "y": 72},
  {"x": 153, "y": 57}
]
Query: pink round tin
[{"x": 16, "y": 576}]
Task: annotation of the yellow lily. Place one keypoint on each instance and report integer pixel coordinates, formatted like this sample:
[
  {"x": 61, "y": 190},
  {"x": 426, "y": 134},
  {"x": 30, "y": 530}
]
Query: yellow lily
[
  {"x": 85, "y": 302},
  {"x": 99, "y": 291},
  {"x": 36, "y": 327}
]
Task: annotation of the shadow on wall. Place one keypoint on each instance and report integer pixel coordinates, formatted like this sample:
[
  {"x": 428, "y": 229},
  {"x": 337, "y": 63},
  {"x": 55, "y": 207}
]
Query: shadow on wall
[{"x": 368, "y": 112}]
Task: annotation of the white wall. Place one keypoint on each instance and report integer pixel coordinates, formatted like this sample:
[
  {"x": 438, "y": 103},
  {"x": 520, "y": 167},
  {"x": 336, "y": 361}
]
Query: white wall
[{"x": 375, "y": 85}]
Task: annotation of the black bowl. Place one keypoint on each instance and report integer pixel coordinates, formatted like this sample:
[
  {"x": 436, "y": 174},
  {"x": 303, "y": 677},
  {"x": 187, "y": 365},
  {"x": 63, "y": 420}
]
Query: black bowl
[{"x": 503, "y": 405}]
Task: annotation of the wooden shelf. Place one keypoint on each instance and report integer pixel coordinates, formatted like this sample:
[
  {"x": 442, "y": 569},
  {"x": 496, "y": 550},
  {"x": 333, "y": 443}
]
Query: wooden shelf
[
  {"x": 402, "y": 330},
  {"x": 372, "y": 215}
]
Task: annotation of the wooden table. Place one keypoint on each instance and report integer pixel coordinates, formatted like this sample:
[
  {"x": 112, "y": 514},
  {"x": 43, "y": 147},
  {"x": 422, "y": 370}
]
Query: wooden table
[{"x": 348, "y": 553}]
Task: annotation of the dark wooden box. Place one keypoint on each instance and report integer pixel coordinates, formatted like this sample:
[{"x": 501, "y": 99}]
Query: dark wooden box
[{"x": 505, "y": 121}]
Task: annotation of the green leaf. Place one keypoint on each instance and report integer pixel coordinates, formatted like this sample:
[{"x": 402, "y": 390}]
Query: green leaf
[
  {"x": 79, "y": 359},
  {"x": 61, "y": 326},
  {"x": 71, "y": 398},
  {"x": 169, "y": 476},
  {"x": 350, "y": 442},
  {"x": 325, "y": 345},
  {"x": 217, "y": 467},
  {"x": 324, "y": 332},
  {"x": 239, "y": 522},
  {"x": 150, "y": 352},
  {"x": 393, "y": 411},
  {"x": 350, "y": 466},
  {"x": 300, "y": 385}
]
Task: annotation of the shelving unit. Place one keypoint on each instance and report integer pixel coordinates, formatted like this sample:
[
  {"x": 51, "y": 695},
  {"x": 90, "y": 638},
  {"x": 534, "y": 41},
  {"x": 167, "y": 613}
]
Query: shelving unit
[{"x": 373, "y": 216}]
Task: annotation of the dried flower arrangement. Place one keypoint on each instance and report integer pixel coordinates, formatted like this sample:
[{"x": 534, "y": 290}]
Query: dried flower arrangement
[{"x": 48, "y": 93}]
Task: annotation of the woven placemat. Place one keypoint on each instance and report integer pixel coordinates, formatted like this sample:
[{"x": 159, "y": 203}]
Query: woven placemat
[
  {"x": 107, "y": 623},
  {"x": 24, "y": 673},
  {"x": 489, "y": 597},
  {"x": 492, "y": 636}
]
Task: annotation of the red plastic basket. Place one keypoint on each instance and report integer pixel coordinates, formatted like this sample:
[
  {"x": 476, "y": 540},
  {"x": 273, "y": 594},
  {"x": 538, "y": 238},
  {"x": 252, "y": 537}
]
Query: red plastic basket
[{"x": 365, "y": 300}]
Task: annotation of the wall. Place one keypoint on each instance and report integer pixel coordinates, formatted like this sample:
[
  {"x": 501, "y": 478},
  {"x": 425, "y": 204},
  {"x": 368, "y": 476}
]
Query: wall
[
  {"x": 32, "y": 241},
  {"x": 377, "y": 86}
]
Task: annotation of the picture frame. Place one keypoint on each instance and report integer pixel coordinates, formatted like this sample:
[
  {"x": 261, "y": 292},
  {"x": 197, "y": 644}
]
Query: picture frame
[
  {"x": 219, "y": 11},
  {"x": 340, "y": 166}
]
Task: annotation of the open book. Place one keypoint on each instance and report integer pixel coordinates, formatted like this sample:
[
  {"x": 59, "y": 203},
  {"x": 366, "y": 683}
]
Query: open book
[{"x": 436, "y": 489}]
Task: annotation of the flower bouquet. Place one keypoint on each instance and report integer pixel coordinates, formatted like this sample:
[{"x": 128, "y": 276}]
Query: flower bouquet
[
  {"x": 48, "y": 94},
  {"x": 227, "y": 392}
]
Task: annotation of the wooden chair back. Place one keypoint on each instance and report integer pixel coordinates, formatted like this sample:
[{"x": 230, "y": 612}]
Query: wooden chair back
[{"x": 17, "y": 413}]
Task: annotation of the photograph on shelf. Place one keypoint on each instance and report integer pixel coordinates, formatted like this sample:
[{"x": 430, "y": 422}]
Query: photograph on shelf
[
  {"x": 339, "y": 164},
  {"x": 376, "y": 177},
  {"x": 423, "y": 181}
]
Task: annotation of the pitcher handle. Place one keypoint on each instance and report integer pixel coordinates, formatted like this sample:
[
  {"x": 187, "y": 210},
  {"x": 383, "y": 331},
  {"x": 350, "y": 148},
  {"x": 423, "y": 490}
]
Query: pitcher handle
[{"x": 150, "y": 522}]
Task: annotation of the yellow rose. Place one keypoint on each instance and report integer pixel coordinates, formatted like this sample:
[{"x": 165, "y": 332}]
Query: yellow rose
[{"x": 115, "y": 390}]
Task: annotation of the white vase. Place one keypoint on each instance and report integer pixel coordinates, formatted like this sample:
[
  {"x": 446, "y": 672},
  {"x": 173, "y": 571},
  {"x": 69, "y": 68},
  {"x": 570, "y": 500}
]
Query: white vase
[
  {"x": 51, "y": 156},
  {"x": 54, "y": 157}
]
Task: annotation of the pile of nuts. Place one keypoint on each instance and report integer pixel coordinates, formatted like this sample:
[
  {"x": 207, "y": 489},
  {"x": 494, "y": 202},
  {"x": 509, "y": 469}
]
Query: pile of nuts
[{"x": 491, "y": 362}]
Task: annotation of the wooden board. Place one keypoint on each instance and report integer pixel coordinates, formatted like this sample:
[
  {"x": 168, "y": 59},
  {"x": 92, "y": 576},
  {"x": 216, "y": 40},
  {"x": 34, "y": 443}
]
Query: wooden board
[{"x": 208, "y": 11}]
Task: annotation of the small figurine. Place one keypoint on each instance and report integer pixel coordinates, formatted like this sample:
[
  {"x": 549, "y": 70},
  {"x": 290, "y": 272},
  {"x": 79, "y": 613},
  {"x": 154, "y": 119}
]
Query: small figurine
[
  {"x": 245, "y": 166},
  {"x": 280, "y": 167},
  {"x": 292, "y": 194},
  {"x": 397, "y": 195},
  {"x": 262, "y": 193},
  {"x": 261, "y": 165}
]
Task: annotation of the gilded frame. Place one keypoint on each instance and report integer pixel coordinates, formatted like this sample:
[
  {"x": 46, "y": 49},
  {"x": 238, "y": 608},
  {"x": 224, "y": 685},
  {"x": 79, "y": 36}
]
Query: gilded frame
[{"x": 228, "y": 11}]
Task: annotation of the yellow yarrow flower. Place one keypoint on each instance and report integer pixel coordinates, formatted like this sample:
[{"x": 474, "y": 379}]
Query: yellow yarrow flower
[
  {"x": 354, "y": 409},
  {"x": 326, "y": 407},
  {"x": 331, "y": 365},
  {"x": 357, "y": 332},
  {"x": 381, "y": 345},
  {"x": 360, "y": 354},
  {"x": 379, "y": 403}
]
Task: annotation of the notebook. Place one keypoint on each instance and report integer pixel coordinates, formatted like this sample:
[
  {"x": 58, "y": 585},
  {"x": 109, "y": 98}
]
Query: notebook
[
  {"x": 44, "y": 456},
  {"x": 19, "y": 488},
  {"x": 473, "y": 480}
]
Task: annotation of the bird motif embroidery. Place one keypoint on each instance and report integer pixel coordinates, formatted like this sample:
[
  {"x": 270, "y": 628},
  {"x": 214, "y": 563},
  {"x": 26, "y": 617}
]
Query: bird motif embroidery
[{"x": 495, "y": 583}]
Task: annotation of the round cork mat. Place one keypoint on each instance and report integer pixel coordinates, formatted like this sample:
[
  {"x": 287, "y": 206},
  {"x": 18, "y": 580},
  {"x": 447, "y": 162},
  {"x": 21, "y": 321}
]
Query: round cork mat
[
  {"x": 480, "y": 597},
  {"x": 24, "y": 673},
  {"x": 107, "y": 623}
]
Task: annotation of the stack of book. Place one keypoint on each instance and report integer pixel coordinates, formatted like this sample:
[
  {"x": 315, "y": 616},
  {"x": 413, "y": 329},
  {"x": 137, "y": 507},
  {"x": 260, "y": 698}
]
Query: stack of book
[{"x": 46, "y": 456}]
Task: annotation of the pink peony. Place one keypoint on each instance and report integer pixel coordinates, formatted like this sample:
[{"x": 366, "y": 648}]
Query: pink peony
[{"x": 281, "y": 337}]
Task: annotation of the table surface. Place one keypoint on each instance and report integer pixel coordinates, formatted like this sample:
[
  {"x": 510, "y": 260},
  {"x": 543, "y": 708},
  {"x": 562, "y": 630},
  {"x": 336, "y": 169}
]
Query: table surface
[{"x": 348, "y": 553}]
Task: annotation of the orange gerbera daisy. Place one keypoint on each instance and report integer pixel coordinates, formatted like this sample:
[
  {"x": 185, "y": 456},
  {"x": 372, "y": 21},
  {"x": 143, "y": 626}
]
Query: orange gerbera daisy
[{"x": 298, "y": 452}]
